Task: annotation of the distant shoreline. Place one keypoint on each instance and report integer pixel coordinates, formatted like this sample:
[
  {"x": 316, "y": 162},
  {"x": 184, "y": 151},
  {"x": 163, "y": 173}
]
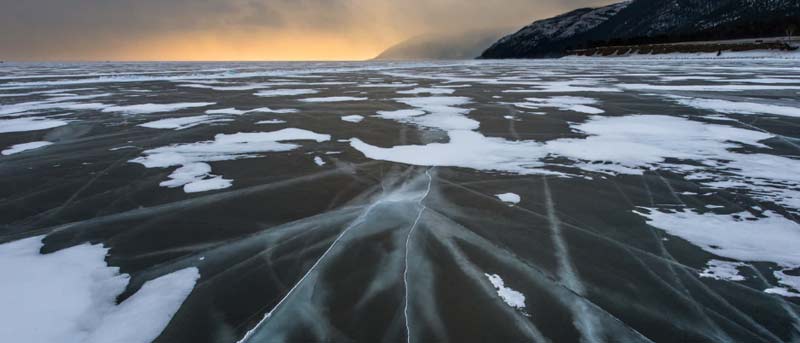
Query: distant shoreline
[{"x": 772, "y": 46}]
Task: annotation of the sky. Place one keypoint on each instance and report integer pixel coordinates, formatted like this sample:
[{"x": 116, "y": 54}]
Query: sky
[{"x": 244, "y": 30}]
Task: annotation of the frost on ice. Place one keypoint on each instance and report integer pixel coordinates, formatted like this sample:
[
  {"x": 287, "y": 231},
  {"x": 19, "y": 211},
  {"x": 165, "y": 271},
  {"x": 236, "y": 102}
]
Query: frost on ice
[{"x": 70, "y": 296}]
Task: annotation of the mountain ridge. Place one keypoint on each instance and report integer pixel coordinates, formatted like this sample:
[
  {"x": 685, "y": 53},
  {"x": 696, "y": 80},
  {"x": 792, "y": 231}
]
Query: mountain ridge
[{"x": 647, "y": 22}]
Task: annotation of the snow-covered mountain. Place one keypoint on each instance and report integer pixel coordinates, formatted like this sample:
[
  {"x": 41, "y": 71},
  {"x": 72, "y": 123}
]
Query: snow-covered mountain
[{"x": 648, "y": 21}]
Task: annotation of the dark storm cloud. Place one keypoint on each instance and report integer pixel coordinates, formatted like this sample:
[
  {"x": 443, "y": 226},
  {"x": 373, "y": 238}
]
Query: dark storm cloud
[{"x": 36, "y": 28}]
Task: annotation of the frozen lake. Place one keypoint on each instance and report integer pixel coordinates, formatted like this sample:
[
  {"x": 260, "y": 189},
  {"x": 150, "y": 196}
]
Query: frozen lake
[{"x": 583, "y": 200}]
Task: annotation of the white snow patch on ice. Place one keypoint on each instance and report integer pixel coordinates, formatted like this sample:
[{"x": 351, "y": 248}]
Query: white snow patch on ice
[
  {"x": 270, "y": 110},
  {"x": 29, "y": 124},
  {"x": 319, "y": 161},
  {"x": 702, "y": 88},
  {"x": 399, "y": 114},
  {"x": 442, "y": 112},
  {"x": 154, "y": 108},
  {"x": 231, "y": 111},
  {"x": 353, "y": 118},
  {"x": 510, "y": 296},
  {"x": 17, "y": 148},
  {"x": 334, "y": 99},
  {"x": 771, "y": 239},
  {"x": 285, "y": 92},
  {"x": 427, "y": 90},
  {"x": 70, "y": 296},
  {"x": 466, "y": 149},
  {"x": 511, "y": 198},
  {"x": 566, "y": 103},
  {"x": 723, "y": 270},
  {"x": 183, "y": 122},
  {"x": 195, "y": 176},
  {"x": 271, "y": 121},
  {"x": 740, "y": 107}
]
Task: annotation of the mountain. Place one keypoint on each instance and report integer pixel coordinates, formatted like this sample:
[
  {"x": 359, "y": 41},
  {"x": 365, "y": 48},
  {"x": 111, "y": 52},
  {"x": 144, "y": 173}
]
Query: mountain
[
  {"x": 465, "y": 45},
  {"x": 648, "y": 22}
]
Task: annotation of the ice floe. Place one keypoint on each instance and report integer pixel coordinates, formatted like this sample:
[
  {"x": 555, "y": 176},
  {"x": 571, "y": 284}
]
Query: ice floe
[
  {"x": 17, "y": 148},
  {"x": 71, "y": 296}
]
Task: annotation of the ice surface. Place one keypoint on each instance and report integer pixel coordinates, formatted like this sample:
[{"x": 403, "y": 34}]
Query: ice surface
[
  {"x": 335, "y": 231},
  {"x": 70, "y": 296},
  {"x": 17, "y": 148}
]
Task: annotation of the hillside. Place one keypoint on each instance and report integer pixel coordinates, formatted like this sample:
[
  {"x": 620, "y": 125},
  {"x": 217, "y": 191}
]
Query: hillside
[{"x": 648, "y": 22}]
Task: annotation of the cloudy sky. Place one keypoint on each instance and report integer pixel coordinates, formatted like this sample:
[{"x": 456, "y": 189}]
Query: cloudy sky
[{"x": 245, "y": 29}]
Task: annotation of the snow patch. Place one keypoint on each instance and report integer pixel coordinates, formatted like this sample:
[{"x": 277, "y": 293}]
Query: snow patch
[
  {"x": 17, "y": 148},
  {"x": 70, "y": 296},
  {"x": 723, "y": 270},
  {"x": 511, "y": 198},
  {"x": 154, "y": 108},
  {"x": 353, "y": 118},
  {"x": 29, "y": 124},
  {"x": 285, "y": 92},
  {"x": 183, "y": 122},
  {"x": 511, "y": 297},
  {"x": 195, "y": 176},
  {"x": 334, "y": 99}
]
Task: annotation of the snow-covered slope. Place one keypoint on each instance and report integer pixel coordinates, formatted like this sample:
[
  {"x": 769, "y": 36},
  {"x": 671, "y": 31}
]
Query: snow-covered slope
[{"x": 647, "y": 21}]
